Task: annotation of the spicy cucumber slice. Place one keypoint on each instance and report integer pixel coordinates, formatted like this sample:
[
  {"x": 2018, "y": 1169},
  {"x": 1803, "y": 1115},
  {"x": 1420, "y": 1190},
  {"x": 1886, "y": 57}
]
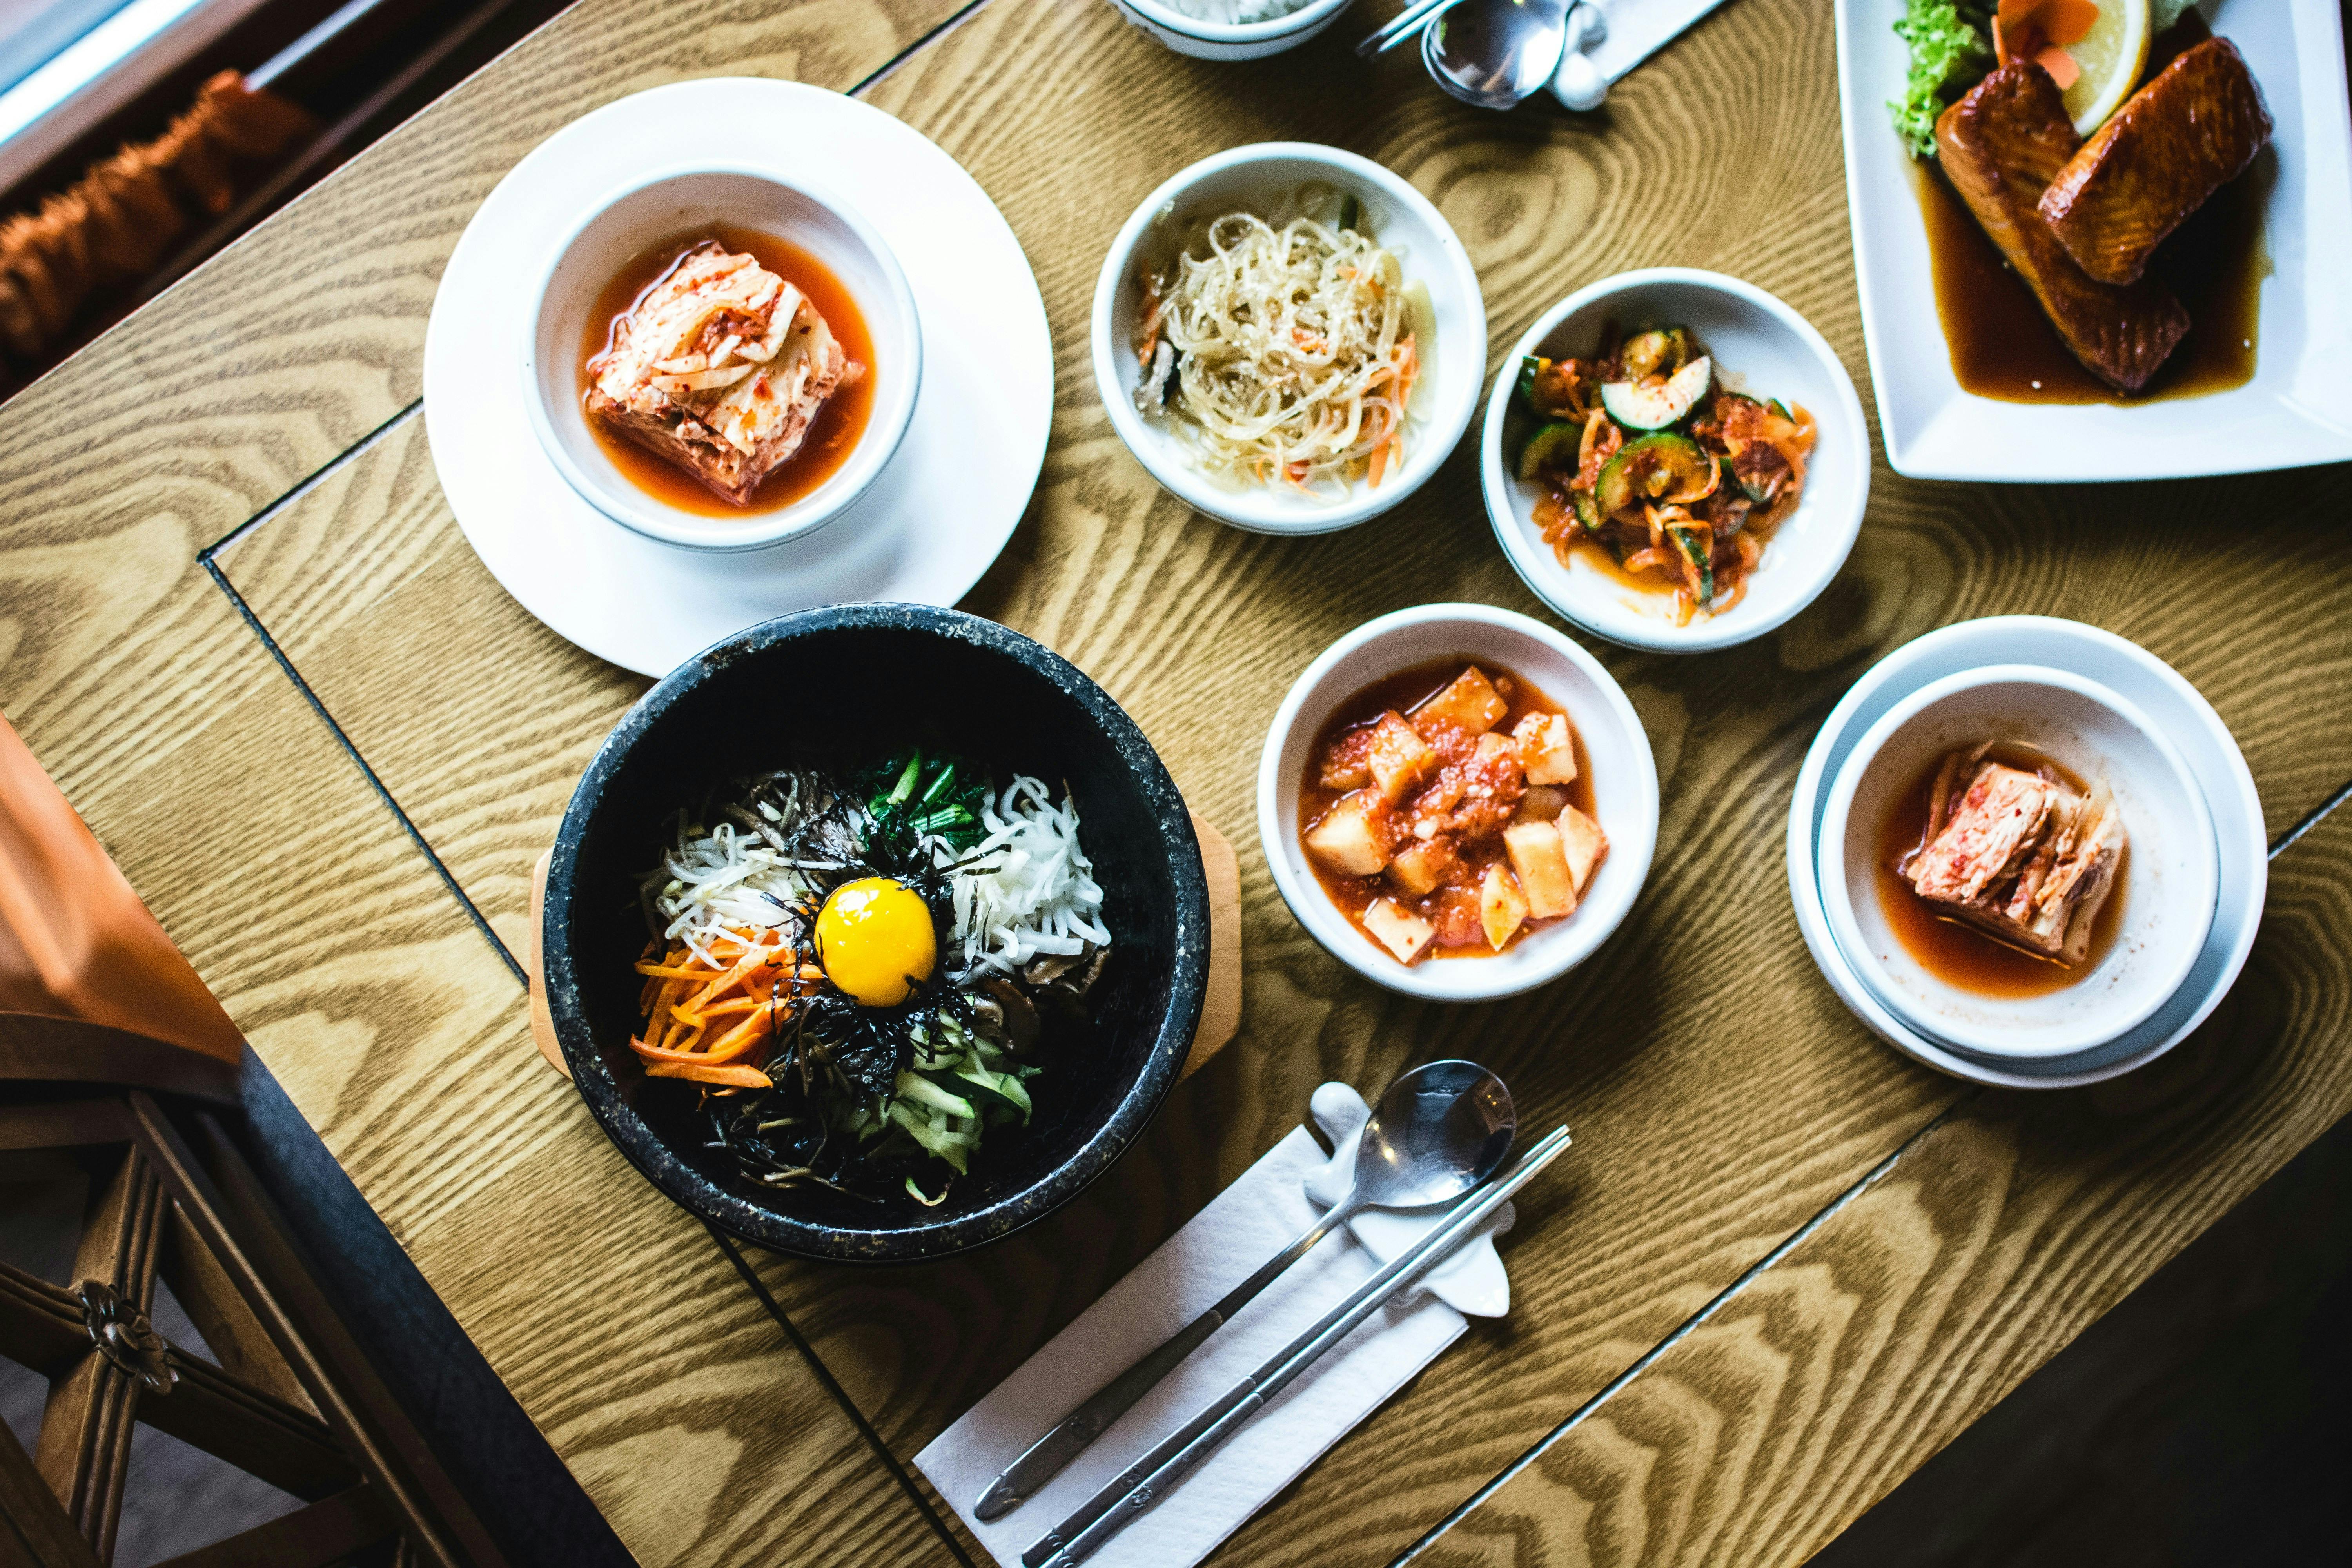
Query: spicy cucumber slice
[
  {"x": 1660, "y": 467},
  {"x": 1698, "y": 549},
  {"x": 1655, "y": 408},
  {"x": 1661, "y": 351},
  {"x": 1553, "y": 447}
]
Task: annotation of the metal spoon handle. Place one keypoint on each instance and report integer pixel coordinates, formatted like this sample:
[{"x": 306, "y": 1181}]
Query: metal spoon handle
[
  {"x": 1113, "y": 1507},
  {"x": 1045, "y": 1459}
]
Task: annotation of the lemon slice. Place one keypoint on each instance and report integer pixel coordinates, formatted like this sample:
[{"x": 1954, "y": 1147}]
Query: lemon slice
[{"x": 2111, "y": 55}]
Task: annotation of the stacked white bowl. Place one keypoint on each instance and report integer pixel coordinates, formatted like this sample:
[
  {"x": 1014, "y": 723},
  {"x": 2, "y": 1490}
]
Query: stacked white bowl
[{"x": 2194, "y": 871}]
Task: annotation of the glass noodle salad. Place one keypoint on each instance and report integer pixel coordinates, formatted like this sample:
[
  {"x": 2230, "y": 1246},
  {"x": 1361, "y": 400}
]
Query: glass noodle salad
[
  {"x": 863, "y": 973},
  {"x": 1284, "y": 349}
]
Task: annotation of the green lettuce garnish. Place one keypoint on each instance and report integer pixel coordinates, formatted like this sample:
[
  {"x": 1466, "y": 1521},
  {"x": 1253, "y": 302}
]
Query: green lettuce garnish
[{"x": 1951, "y": 51}]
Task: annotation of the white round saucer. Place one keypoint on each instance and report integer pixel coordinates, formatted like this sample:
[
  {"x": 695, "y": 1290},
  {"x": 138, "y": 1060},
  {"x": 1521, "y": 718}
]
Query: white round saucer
[
  {"x": 931, "y": 524},
  {"x": 2170, "y": 701}
]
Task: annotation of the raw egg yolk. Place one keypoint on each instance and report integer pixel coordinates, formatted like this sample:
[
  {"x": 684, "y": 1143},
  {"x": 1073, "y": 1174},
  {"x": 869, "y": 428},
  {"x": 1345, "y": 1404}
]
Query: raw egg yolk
[{"x": 875, "y": 939}]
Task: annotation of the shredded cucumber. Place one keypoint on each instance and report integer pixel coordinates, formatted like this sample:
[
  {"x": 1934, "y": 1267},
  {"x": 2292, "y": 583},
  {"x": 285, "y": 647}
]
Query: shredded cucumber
[
  {"x": 1004, "y": 1086},
  {"x": 948, "y": 1143},
  {"x": 921, "y": 1090}
]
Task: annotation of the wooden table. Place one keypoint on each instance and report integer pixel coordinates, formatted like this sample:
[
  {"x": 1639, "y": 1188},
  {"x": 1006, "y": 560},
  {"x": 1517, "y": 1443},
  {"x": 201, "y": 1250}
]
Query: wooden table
[{"x": 1784, "y": 1266}]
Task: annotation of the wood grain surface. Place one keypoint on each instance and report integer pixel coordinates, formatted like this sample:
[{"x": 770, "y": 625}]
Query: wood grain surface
[
  {"x": 1996, "y": 1238},
  {"x": 477, "y": 718},
  {"x": 397, "y": 1030},
  {"x": 1720, "y": 1095}
]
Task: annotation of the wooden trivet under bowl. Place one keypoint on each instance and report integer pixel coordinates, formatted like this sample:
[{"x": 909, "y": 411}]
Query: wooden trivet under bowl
[{"x": 1221, "y": 1009}]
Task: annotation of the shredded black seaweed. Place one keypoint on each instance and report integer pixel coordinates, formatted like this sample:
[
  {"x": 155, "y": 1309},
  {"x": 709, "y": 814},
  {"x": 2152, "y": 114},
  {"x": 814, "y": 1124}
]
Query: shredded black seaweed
[{"x": 834, "y": 1061}]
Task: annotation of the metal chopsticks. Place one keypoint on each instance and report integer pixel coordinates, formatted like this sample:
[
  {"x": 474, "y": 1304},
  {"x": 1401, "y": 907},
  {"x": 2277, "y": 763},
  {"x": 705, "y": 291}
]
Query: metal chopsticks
[
  {"x": 1117, "y": 1505},
  {"x": 1402, "y": 26}
]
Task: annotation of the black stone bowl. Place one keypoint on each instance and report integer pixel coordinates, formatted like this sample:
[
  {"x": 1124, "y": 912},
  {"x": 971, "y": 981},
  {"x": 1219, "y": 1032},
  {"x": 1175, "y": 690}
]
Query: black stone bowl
[{"x": 869, "y": 680}]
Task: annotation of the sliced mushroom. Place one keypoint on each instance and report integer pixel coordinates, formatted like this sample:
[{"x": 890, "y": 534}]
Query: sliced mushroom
[
  {"x": 774, "y": 839},
  {"x": 1068, "y": 976},
  {"x": 1044, "y": 970},
  {"x": 988, "y": 1014},
  {"x": 1020, "y": 1020}
]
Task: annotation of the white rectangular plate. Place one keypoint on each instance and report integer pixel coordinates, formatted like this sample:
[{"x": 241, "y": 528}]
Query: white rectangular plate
[{"x": 2296, "y": 410}]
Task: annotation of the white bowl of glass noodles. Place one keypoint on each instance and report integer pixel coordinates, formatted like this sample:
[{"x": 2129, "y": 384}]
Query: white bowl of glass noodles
[
  {"x": 1230, "y": 29},
  {"x": 1295, "y": 425}
]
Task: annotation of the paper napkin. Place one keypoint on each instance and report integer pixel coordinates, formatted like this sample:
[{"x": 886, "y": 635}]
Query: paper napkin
[
  {"x": 1247, "y": 1223},
  {"x": 1640, "y": 28}
]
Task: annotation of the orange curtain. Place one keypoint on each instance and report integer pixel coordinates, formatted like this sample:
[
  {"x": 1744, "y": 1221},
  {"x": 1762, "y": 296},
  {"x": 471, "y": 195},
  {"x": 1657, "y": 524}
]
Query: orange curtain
[{"x": 75, "y": 941}]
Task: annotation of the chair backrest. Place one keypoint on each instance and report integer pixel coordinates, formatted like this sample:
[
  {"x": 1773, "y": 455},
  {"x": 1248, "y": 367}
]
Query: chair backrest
[{"x": 288, "y": 1397}]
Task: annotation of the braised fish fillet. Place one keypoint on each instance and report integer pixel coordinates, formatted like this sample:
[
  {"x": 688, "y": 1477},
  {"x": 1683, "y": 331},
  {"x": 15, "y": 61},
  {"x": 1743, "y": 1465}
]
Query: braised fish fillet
[
  {"x": 2172, "y": 144},
  {"x": 2000, "y": 146}
]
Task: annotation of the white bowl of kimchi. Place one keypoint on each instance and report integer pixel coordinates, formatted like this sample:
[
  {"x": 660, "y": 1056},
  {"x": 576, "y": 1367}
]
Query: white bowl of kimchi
[
  {"x": 673, "y": 205},
  {"x": 1437, "y": 338},
  {"x": 1187, "y": 34},
  {"x": 1624, "y": 778},
  {"x": 2089, "y": 738}
]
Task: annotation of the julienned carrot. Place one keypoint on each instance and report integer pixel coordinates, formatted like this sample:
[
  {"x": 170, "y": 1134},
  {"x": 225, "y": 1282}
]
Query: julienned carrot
[
  {"x": 682, "y": 962},
  {"x": 716, "y": 1020},
  {"x": 755, "y": 1030},
  {"x": 701, "y": 1072},
  {"x": 1798, "y": 445},
  {"x": 660, "y": 1054},
  {"x": 759, "y": 974},
  {"x": 726, "y": 979},
  {"x": 710, "y": 1010},
  {"x": 1408, "y": 362},
  {"x": 657, "y": 1011},
  {"x": 687, "y": 1036}
]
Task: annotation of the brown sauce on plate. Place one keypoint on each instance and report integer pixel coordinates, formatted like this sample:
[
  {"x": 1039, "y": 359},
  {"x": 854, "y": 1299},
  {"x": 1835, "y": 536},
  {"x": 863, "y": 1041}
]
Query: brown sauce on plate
[
  {"x": 1404, "y": 691},
  {"x": 2003, "y": 347},
  {"x": 838, "y": 423},
  {"x": 1958, "y": 955}
]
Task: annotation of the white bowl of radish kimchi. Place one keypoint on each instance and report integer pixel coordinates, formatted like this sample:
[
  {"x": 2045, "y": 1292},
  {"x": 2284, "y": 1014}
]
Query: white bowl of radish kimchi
[{"x": 1458, "y": 802}]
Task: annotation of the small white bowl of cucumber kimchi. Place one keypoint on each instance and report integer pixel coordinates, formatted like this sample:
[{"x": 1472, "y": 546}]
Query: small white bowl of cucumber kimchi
[{"x": 1674, "y": 460}]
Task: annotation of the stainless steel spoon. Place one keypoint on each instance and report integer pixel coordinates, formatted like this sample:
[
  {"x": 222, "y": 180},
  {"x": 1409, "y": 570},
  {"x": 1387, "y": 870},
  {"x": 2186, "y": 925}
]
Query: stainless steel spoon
[
  {"x": 1439, "y": 1131},
  {"x": 1495, "y": 53}
]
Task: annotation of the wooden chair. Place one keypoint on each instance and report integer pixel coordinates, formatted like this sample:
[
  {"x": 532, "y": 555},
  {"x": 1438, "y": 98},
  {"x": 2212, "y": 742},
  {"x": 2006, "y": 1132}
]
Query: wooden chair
[{"x": 292, "y": 1399}]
